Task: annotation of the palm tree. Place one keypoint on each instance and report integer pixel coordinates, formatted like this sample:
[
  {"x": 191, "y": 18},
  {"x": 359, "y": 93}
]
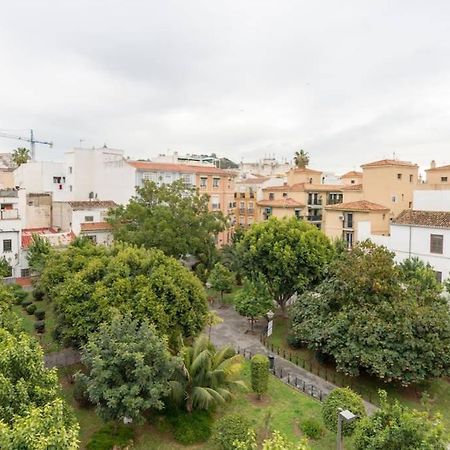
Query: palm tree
[
  {"x": 301, "y": 158},
  {"x": 20, "y": 156},
  {"x": 206, "y": 377}
]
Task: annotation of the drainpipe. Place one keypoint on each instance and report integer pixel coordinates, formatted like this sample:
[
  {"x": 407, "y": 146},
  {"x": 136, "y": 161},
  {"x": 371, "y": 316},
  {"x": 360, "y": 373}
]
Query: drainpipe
[{"x": 409, "y": 249}]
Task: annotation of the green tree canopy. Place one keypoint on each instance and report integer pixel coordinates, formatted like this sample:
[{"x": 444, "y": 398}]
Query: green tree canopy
[
  {"x": 87, "y": 282},
  {"x": 221, "y": 279},
  {"x": 20, "y": 156},
  {"x": 9, "y": 321},
  {"x": 5, "y": 268},
  {"x": 206, "y": 376},
  {"x": 367, "y": 315},
  {"x": 301, "y": 158},
  {"x": 173, "y": 218},
  {"x": 395, "y": 426},
  {"x": 129, "y": 368},
  {"x": 288, "y": 254},
  {"x": 37, "y": 252}
]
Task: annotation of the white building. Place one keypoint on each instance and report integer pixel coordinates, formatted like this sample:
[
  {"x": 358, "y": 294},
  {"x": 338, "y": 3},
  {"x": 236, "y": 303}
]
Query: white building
[{"x": 423, "y": 232}]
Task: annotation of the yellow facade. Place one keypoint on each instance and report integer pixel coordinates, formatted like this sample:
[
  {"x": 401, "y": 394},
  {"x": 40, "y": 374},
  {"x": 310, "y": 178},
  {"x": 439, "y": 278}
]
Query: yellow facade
[{"x": 437, "y": 177}]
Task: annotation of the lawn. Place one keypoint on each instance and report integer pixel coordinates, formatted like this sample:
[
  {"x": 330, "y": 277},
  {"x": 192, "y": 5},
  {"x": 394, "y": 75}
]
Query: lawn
[
  {"x": 287, "y": 408},
  {"x": 228, "y": 297},
  {"x": 438, "y": 390}
]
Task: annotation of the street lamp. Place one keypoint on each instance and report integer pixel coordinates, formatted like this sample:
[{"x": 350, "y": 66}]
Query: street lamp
[
  {"x": 269, "y": 316},
  {"x": 345, "y": 416}
]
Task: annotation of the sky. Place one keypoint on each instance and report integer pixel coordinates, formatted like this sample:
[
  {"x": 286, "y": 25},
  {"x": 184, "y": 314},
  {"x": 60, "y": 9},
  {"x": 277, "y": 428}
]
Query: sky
[{"x": 349, "y": 82}]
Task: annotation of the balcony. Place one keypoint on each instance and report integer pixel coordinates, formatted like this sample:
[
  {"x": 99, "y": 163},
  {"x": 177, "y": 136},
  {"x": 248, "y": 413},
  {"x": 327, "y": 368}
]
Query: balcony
[
  {"x": 315, "y": 218},
  {"x": 314, "y": 201},
  {"x": 9, "y": 214},
  {"x": 250, "y": 211},
  {"x": 215, "y": 206},
  {"x": 334, "y": 201}
]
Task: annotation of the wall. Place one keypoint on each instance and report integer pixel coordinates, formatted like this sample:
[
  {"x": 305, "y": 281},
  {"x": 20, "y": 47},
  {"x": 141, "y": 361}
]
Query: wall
[
  {"x": 38, "y": 211},
  {"x": 303, "y": 176},
  {"x": 62, "y": 216},
  {"x": 101, "y": 237},
  {"x": 432, "y": 200},
  {"x": 79, "y": 217},
  {"x": 6, "y": 178},
  {"x": 434, "y": 177}
]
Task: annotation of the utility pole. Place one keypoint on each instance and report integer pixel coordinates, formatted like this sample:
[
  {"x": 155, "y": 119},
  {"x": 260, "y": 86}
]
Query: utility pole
[{"x": 31, "y": 140}]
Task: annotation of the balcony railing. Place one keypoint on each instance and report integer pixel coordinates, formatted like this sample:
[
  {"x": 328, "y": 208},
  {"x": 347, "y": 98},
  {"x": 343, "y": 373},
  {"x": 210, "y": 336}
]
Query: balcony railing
[
  {"x": 315, "y": 218},
  {"x": 8, "y": 214},
  {"x": 315, "y": 202}
]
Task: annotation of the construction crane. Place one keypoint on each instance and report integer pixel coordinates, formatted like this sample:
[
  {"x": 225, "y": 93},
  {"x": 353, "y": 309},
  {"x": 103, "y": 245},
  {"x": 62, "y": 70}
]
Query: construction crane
[{"x": 30, "y": 139}]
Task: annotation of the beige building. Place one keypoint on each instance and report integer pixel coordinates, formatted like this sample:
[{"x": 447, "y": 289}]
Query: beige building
[
  {"x": 342, "y": 220},
  {"x": 437, "y": 177},
  {"x": 38, "y": 210},
  {"x": 351, "y": 178}
]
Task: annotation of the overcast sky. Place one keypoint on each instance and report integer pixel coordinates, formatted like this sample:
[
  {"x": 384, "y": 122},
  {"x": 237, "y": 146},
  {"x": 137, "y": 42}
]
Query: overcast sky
[{"x": 348, "y": 81}]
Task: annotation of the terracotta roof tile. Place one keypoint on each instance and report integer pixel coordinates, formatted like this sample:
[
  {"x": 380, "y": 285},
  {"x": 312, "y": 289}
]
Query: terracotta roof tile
[
  {"x": 389, "y": 162},
  {"x": 437, "y": 169},
  {"x": 95, "y": 226},
  {"x": 434, "y": 219},
  {"x": 352, "y": 174},
  {"x": 281, "y": 203},
  {"x": 360, "y": 205},
  {"x": 92, "y": 204},
  {"x": 305, "y": 170},
  {"x": 352, "y": 187},
  {"x": 300, "y": 187},
  {"x": 182, "y": 168}
]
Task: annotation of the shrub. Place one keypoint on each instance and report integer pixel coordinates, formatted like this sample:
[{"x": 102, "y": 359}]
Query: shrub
[
  {"x": 230, "y": 429},
  {"x": 191, "y": 428},
  {"x": 19, "y": 293},
  {"x": 293, "y": 341},
  {"x": 80, "y": 393},
  {"x": 31, "y": 309},
  {"x": 39, "y": 326},
  {"x": 343, "y": 398},
  {"x": 38, "y": 294},
  {"x": 26, "y": 303},
  {"x": 311, "y": 428},
  {"x": 260, "y": 374},
  {"x": 110, "y": 436},
  {"x": 39, "y": 314}
]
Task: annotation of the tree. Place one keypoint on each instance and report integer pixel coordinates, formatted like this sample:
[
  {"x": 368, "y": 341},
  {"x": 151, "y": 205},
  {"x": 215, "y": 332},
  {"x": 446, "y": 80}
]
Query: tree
[
  {"x": 276, "y": 442},
  {"x": 253, "y": 301},
  {"x": 301, "y": 158},
  {"x": 221, "y": 279},
  {"x": 206, "y": 377},
  {"x": 419, "y": 277},
  {"x": 288, "y": 254},
  {"x": 9, "y": 321},
  {"x": 395, "y": 426},
  {"x": 87, "y": 283},
  {"x": 129, "y": 368},
  {"x": 368, "y": 316},
  {"x": 342, "y": 399},
  {"x": 212, "y": 319},
  {"x": 31, "y": 414},
  {"x": 173, "y": 218},
  {"x": 5, "y": 268},
  {"x": 259, "y": 369},
  {"x": 20, "y": 156},
  {"x": 38, "y": 252}
]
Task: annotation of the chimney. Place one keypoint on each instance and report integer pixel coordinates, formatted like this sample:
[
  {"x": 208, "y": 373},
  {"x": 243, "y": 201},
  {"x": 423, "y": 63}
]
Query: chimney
[{"x": 433, "y": 164}]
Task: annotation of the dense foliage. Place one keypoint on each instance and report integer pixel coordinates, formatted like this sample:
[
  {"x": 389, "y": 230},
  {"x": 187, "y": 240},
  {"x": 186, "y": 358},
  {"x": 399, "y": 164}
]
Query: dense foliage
[
  {"x": 276, "y": 442},
  {"x": 342, "y": 398},
  {"x": 206, "y": 376},
  {"x": 20, "y": 155},
  {"x": 129, "y": 368},
  {"x": 289, "y": 254},
  {"x": 259, "y": 369},
  {"x": 371, "y": 314},
  {"x": 5, "y": 268},
  {"x": 395, "y": 426},
  {"x": 8, "y": 320},
  {"x": 87, "y": 283},
  {"x": 37, "y": 252},
  {"x": 174, "y": 218},
  {"x": 192, "y": 428},
  {"x": 221, "y": 279},
  {"x": 230, "y": 429}
]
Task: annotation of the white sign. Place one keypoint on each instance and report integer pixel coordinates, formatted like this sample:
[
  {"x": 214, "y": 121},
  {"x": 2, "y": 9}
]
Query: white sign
[{"x": 270, "y": 328}]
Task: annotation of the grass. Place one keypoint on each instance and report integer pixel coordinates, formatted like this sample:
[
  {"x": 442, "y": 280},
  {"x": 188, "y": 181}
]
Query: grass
[
  {"x": 228, "y": 297},
  {"x": 46, "y": 339},
  {"x": 438, "y": 390},
  {"x": 288, "y": 408}
]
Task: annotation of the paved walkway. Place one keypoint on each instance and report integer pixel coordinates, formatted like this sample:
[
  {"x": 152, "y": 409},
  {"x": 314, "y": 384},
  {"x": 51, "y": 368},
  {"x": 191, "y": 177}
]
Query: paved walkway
[
  {"x": 234, "y": 331},
  {"x": 63, "y": 358}
]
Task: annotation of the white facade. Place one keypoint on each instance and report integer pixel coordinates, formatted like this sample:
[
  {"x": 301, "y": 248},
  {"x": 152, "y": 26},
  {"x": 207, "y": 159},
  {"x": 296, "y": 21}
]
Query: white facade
[{"x": 431, "y": 200}]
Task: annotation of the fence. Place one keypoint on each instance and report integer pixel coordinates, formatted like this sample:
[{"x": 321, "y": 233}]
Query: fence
[
  {"x": 293, "y": 380},
  {"x": 327, "y": 374}
]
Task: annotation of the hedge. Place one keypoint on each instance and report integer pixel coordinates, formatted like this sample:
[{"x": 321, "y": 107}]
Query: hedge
[{"x": 260, "y": 374}]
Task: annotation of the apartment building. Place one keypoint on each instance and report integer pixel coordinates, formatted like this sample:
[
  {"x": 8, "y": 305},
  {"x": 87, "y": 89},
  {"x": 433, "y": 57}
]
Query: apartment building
[
  {"x": 437, "y": 177},
  {"x": 353, "y": 177},
  {"x": 267, "y": 167}
]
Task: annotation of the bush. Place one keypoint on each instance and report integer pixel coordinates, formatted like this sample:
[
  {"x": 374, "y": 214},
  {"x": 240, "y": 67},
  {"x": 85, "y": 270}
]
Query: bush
[
  {"x": 110, "y": 436},
  {"x": 19, "y": 294},
  {"x": 39, "y": 326},
  {"x": 343, "y": 398},
  {"x": 80, "y": 393},
  {"x": 191, "y": 428},
  {"x": 201, "y": 272},
  {"x": 260, "y": 374},
  {"x": 38, "y": 294},
  {"x": 26, "y": 303},
  {"x": 39, "y": 314},
  {"x": 311, "y": 428},
  {"x": 31, "y": 309},
  {"x": 293, "y": 341},
  {"x": 230, "y": 429}
]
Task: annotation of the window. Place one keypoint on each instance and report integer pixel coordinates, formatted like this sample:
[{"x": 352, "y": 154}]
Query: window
[
  {"x": 348, "y": 220},
  {"x": 70, "y": 188},
  {"x": 70, "y": 169},
  {"x": 242, "y": 205},
  {"x": 284, "y": 194},
  {"x": 7, "y": 245},
  {"x": 399, "y": 176},
  {"x": 394, "y": 199},
  {"x": 411, "y": 178},
  {"x": 216, "y": 182},
  {"x": 310, "y": 181},
  {"x": 92, "y": 238},
  {"x": 88, "y": 218},
  {"x": 444, "y": 179},
  {"x": 215, "y": 202},
  {"x": 438, "y": 276},
  {"x": 203, "y": 181},
  {"x": 271, "y": 196},
  {"x": 410, "y": 205},
  {"x": 25, "y": 273},
  {"x": 348, "y": 238},
  {"x": 436, "y": 244},
  {"x": 352, "y": 182}
]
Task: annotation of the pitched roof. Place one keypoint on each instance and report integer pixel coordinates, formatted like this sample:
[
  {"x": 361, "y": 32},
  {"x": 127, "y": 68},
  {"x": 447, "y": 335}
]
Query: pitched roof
[
  {"x": 438, "y": 168},
  {"x": 360, "y": 205},
  {"x": 389, "y": 162},
  {"x": 305, "y": 169},
  {"x": 300, "y": 187},
  {"x": 352, "y": 174},
  {"x": 281, "y": 203},
  {"x": 51, "y": 234},
  {"x": 434, "y": 219},
  {"x": 352, "y": 187},
  {"x": 95, "y": 226},
  {"x": 182, "y": 168},
  {"x": 92, "y": 204},
  {"x": 252, "y": 180}
]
